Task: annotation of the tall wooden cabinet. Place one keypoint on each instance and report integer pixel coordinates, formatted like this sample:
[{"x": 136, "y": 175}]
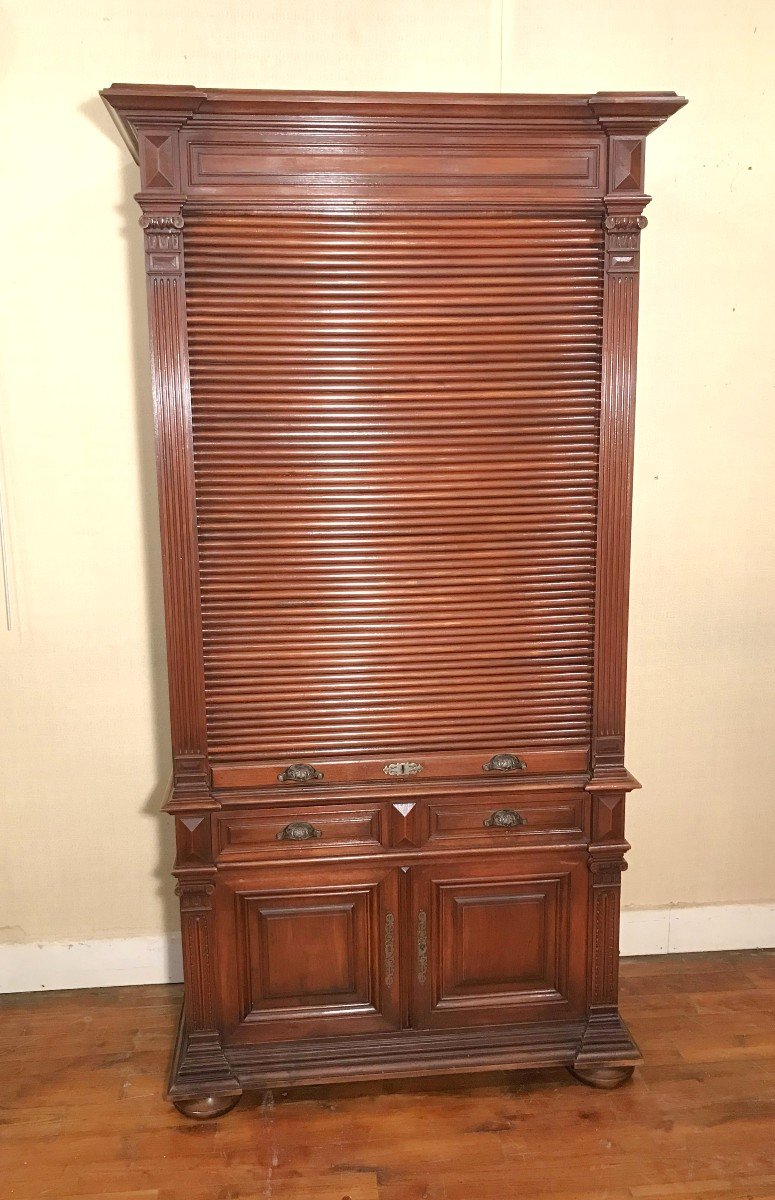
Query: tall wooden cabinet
[{"x": 393, "y": 353}]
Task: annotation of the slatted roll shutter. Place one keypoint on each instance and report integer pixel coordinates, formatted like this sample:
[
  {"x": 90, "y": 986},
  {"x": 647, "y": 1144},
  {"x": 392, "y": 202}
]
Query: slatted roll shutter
[{"x": 395, "y": 429}]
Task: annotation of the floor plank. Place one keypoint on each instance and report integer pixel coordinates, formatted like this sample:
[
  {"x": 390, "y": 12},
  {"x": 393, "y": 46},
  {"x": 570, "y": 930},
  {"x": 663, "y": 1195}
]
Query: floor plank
[{"x": 83, "y": 1118}]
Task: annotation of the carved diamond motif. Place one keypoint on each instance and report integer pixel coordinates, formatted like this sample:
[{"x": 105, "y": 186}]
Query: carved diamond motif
[
  {"x": 159, "y": 161},
  {"x": 626, "y": 164}
]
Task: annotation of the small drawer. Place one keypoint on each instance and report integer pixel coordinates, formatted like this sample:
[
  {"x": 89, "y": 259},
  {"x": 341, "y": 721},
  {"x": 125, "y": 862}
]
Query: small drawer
[
  {"x": 507, "y": 819},
  {"x": 300, "y": 831}
]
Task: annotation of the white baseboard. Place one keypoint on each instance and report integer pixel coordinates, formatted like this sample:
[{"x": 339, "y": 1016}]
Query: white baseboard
[
  {"x": 104, "y": 962},
  {"x": 681, "y": 930},
  {"x": 117, "y": 962}
]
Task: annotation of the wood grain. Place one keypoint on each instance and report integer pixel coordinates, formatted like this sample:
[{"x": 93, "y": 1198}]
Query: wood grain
[{"x": 395, "y": 433}]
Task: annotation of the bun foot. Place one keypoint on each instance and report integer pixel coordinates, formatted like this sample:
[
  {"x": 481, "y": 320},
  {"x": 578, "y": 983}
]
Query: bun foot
[
  {"x": 607, "y": 1077},
  {"x": 204, "y": 1108}
]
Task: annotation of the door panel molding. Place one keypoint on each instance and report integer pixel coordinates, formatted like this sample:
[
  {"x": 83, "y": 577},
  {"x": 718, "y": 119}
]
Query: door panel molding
[
  {"x": 506, "y": 940},
  {"x": 310, "y": 951}
]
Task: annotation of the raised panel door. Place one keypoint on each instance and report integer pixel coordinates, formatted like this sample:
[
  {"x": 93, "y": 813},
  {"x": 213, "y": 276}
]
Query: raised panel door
[
  {"x": 308, "y": 952},
  {"x": 499, "y": 939}
]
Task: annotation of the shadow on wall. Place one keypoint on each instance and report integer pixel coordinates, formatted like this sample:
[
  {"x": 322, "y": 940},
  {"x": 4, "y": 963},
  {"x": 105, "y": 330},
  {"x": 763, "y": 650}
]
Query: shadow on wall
[{"x": 95, "y": 111}]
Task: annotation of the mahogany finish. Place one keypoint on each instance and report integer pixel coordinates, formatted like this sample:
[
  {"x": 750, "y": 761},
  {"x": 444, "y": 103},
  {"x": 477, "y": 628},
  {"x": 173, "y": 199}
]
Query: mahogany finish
[{"x": 393, "y": 344}]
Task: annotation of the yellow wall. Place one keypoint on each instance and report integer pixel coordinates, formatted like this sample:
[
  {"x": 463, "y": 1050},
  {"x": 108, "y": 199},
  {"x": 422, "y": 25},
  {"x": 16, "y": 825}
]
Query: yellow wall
[{"x": 84, "y": 733}]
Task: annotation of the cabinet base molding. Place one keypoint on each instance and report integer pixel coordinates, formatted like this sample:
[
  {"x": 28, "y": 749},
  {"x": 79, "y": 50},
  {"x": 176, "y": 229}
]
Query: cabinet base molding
[
  {"x": 608, "y": 1055},
  {"x": 201, "y": 1082},
  {"x": 607, "y": 1042},
  {"x": 208, "y": 1083}
]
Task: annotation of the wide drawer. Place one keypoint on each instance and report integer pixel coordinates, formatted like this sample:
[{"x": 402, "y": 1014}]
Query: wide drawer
[
  {"x": 315, "y": 774},
  {"x": 301, "y": 830},
  {"x": 506, "y": 819}
]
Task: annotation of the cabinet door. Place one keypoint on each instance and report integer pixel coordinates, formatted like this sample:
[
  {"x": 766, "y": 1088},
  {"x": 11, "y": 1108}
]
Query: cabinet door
[
  {"x": 499, "y": 939},
  {"x": 308, "y": 951}
]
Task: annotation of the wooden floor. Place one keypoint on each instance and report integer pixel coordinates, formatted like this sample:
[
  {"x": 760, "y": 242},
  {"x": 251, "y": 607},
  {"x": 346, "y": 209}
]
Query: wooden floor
[{"x": 83, "y": 1114}]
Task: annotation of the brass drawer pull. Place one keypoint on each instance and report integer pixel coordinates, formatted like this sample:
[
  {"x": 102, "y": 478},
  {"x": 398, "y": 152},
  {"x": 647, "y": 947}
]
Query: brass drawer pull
[
  {"x": 299, "y": 773},
  {"x": 504, "y": 818},
  {"x": 298, "y": 831},
  {"x": 422, "y": 946},
  {"x": 504, "y": 762},
  {"x": 390, "y": 949}
]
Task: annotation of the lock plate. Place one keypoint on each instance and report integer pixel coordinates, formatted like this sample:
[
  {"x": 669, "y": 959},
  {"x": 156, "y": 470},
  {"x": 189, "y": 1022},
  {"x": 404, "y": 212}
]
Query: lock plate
[{"x": 403, "y": 768}]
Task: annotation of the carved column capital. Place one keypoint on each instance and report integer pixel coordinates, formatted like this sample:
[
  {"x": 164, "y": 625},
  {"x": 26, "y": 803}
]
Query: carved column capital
[
  {"x": 161, "y": 222},
  {"x": 624, "y": 222},
  {"x": 622, "y": 241},
  {"x": 607, "y": 873},
  {"x": 163, "y": 242},
  {"x": 195, "y": 895}
]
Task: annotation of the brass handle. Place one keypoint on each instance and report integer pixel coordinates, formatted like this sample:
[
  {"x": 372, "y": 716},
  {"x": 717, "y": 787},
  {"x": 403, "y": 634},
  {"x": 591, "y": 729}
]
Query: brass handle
[
  {"x": 422, "y": 946},
  {"x": 504, "y": 818},
  {"x": 390, "y": 949},
  {"x": 298, "y": 831},
  {"x": 299, "y": 773},
  {"x": 504, "y": 762}
]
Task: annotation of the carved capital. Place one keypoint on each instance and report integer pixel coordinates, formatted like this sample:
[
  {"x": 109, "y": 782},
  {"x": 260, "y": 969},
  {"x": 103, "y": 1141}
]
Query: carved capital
[
  {"x": 622, "y": 242},
  {"x": 163, "y": 242},
  {"x": 607, "y": 874},
  {"x": 161, "y": 222},
  {"x": 625, "y": 223},
  {"x": 195, "y": 896}
]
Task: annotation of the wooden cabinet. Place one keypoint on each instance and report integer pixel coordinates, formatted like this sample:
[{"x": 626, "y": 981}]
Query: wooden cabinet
[{"x": 393, "y": 360}]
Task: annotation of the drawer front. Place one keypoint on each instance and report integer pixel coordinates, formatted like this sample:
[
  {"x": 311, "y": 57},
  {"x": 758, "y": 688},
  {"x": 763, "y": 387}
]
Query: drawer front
[
  {"x": 314, "y": 774},
  {"x": 300, "y": 831},
  {"x": 507, "y": 819}
]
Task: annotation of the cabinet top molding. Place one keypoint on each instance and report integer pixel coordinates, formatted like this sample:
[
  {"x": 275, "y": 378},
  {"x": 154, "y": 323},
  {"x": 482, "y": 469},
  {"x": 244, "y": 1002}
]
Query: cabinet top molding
[{"x": 139, "y": 106}]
